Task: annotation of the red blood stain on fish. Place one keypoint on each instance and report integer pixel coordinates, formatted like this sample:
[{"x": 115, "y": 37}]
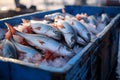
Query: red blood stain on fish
[
  {"x": 24, "y": 42},
  {"x": 48, "y": 55}
]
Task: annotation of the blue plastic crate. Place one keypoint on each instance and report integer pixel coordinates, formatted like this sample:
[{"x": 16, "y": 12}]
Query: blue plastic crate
[
  {"x": 4, "y": 71},
  {"x": 17, "y": 70}
]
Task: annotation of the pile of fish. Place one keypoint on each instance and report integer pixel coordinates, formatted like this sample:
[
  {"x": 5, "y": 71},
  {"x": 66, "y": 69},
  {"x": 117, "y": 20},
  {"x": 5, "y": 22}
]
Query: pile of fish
[{"x": 51, "y": 41}]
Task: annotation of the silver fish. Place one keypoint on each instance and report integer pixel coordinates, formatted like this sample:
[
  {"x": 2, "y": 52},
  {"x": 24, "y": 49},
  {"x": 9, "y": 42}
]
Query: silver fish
[
  {"x": 9, "y": 49},
  {"x": 105, "y": 19},
  {"x": 53, "y": 16},
  {"x": 92, "y": 20},
  {"x": 44, "y": 43},
  {"x": 28, "y": 51},
  {"x": 81, "y": 41},
  {"x": 81, "y": 30},
  {"x": 46, "y": 29},
  {"x": 100, "y": 26},
  {"x": 59, "y": 15},
  {"x": 68, "y": 32},
  {"x": 59, "y": 62},
  {"x": 90, "y": 27}
]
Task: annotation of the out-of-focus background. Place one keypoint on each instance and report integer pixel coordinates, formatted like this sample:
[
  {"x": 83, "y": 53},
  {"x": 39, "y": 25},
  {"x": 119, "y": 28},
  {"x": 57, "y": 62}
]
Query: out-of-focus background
[{"x": 8, "y": 8}]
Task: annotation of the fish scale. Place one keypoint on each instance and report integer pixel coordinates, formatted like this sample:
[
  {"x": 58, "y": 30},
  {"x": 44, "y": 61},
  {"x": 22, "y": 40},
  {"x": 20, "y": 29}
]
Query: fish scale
[
  {"x": 81, "y": 30},
  {"x": 46, "y": 29},
  {"x": 68, "y": 32}
]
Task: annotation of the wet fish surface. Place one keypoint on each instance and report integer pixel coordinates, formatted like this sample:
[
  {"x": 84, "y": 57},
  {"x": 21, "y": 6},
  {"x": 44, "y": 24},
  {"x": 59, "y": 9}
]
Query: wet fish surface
[{"x": 9, "y": 49}]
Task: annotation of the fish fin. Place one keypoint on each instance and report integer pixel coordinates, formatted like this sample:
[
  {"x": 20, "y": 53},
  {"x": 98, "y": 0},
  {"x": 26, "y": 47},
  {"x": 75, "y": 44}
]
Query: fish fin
[
  {"x": 25, "y": 21},
  {"x": 38, "y": 28},
  {"x": 12, "y": 30},
  {"x": 41, "y": 42},
  {"x": 8, "y": 35}
]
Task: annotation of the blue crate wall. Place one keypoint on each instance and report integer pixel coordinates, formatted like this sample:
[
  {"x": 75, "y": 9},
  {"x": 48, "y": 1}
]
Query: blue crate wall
[
  {"x": 104, "y": 57},
  {"x": 95, "y": 63},
  {"x": 79, "y": 68},
  {"x": 21, "y": 72},
  {"x": 92, "y": 10},
  {"x": 107, "y": 52},
  {"x": 115, "y": 40},
  {"x": 98, "y": 58},
  {"x": 114, "y": 48},
  {"x": 4, "y": 71},
  {"x": 82, "y": 69}
]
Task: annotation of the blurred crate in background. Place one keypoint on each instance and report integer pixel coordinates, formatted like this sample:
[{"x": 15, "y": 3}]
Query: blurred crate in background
[
  {"x": 113, "y": 2},
  {"x": 94, "y": 62}
]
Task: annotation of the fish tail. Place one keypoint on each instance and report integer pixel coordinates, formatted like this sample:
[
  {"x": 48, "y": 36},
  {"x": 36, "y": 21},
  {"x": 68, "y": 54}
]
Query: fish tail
[{"x": 12, "y": 30}]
